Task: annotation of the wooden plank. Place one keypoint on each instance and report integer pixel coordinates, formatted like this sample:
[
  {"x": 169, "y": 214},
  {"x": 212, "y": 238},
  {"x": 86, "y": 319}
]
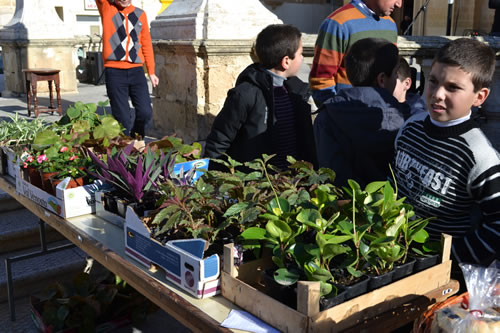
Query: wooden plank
[
  {"x": 407, "y": 312},
  {"x": 446, "y": 245},
  {"x": 308, "y": 294},
  {"x": 183, "y": 311},
  {"x": 264, "y": 307},
  {"x": 380, "y": 300}
]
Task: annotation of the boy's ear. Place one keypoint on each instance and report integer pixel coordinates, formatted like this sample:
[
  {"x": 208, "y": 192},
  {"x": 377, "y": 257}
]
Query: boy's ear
[
  {"x": 407, "y": 83},
  {"x": 380, "y": 80},
  {"x": 481, "y": 96},
  {"x": 285, "y": 63}
]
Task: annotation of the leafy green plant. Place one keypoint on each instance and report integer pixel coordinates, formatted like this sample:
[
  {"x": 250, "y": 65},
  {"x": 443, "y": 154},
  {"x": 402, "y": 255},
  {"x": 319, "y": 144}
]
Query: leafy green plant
[
  {"x": 19, "y": 130},
  {"x": 82, "y": 123},
  {"x": 86, "y": 303}
]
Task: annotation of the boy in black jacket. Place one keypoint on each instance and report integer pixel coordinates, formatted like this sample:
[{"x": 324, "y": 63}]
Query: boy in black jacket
[
  {"x": 355, "y": 130},
  {"x": 267, "y": 112}
]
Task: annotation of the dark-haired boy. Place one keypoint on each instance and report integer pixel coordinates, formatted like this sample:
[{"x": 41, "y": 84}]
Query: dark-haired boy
[
  {"x": 355, "y": 130},
  {"x": 444, "y": 164},
  {"x": 403, "y": 85},
  {"x": 267, "y": 112}
]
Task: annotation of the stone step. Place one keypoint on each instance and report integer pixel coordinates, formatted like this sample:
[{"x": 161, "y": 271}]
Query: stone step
[
  {"x": 34, "y": 274},
  {"x": 8, "y": 203},
  {"x": 19, "y": 229}
]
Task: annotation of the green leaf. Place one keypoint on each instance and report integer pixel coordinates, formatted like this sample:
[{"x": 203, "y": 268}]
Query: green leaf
[
  {"x": 321, "y": 274},
  {"x": 278, "y": 207},
  {"x": 279, "y": 230},
  {"x": 254, "y": 233},
  {"x": 325, "y": 288},
  {"x": 374, "y": 186},
  {"x": 109, "y": 128},
  {"x": 286, "y": 277},
  {"x": 421, "y": 236},
  {"x": 268, "y": 216},
  {"x": 333, "y": 250},
  {"x": 236, "y": 208}
]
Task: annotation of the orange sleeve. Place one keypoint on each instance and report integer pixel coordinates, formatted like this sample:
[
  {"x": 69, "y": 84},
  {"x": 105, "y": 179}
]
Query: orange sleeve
[{"x": 147, "y": 45}]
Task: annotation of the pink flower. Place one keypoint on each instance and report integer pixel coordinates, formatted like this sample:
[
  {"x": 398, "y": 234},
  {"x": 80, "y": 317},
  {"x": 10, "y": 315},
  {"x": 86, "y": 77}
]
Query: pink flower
[
  {"x": 74, "y": 157},
  {"x": 29, "y": 159},
  {"x": 25, "y": 165},
  {"x": 63, "y": 149},
  {"x": 41, "y": 158}
]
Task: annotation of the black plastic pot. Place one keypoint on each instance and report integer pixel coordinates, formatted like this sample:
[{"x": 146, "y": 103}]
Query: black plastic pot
[
  {"x": 110, "y": 203},
  {"x": 358, "y": 288},
  {"x": 327, "y": 302},
  {"x": 377, "y": 281},
  {"x": 284, "y": 294},
  {"x": 402, "y": 270},
  {"x": 425, "y": 262}
]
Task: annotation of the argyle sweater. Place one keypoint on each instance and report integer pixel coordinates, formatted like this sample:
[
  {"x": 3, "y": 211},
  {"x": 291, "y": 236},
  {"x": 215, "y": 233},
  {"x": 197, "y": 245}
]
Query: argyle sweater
[
  {"x": 126, "y": 38},
  {"x": 449, "y": 173},
  {"x": 337, "y": 33}
]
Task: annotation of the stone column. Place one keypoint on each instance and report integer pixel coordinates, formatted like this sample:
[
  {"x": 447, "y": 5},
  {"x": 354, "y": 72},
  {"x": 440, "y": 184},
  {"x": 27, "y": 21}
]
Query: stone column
[
  {"x": 36, "y": 37},
  {"x": 201, "y": 46}
]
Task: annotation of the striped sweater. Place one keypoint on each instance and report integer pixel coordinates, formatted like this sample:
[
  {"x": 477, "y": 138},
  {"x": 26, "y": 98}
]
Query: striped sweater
[
  {"x": 126, "y": 38},
  {"x": 450, "y": 173},
  {"x": 337, "y": 33}
]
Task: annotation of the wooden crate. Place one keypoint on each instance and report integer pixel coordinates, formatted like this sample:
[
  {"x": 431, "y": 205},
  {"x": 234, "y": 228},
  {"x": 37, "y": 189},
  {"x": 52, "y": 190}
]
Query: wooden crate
[{"x": 239, "y": 285}]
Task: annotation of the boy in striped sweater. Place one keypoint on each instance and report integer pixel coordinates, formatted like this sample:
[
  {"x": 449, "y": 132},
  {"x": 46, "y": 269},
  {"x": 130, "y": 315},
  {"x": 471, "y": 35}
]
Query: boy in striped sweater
[
  {"x": 339, "y": 31},
  {"x": 444, "y": 164},
  {"x": 126, "y": 47}
]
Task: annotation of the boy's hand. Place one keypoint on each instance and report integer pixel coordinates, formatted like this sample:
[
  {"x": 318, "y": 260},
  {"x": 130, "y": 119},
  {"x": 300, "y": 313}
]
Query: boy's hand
[{"x": 154, "y": 80}]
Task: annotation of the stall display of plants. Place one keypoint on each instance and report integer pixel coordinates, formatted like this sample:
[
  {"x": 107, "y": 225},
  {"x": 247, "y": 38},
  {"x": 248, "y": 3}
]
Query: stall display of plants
[
  {"x": 137, "y": 172},
  {"x": 348, "y": 239}
]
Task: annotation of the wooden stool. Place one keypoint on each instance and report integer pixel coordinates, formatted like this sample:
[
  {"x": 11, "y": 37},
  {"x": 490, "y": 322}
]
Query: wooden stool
[{"x": 32, "y": 76}]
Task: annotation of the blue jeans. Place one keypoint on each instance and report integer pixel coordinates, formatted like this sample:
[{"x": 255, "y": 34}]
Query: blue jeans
[{"x": 122, "y": 83}]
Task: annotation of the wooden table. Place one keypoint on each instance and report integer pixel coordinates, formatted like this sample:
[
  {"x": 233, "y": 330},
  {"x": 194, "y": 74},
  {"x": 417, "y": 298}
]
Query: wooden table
[
  {"x": 105, "y": 243},
  {"x": 32, "y": 76}
]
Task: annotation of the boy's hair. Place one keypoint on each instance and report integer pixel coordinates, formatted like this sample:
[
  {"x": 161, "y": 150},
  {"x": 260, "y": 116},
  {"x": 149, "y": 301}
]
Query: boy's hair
[
  {"x": 404, "y": 70},
  {"x": 471, "y": 56},
  {"x": 275, "y": 42},
  {"x": 369, "y": 57}
]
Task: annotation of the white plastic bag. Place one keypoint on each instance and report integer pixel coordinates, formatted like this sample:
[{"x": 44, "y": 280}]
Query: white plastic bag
[{"x": 479, "y": 315}]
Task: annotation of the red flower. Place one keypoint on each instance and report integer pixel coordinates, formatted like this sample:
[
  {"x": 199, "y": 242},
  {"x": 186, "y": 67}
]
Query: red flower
[
  {"x": 63, "y": 149},
  {"x": 29, "y": 159},
  {"x": 74, "y": 157}
]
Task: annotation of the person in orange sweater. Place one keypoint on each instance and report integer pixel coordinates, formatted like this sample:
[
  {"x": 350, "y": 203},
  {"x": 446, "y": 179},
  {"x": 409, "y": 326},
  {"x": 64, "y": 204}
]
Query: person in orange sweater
[{"x": 126, "y": 47}]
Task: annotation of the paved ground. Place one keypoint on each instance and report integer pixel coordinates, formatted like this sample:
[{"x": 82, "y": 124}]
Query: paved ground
[{"x": 157, "y": 322}]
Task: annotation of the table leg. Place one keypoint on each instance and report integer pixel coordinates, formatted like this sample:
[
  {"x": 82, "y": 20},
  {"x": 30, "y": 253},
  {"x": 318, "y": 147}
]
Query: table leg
[
  {"x": 28, "y": 96},
  {"x": 50, "y": 96},
  {"x": 58, "y": 93},
  {"x": 35, "y": 98}
]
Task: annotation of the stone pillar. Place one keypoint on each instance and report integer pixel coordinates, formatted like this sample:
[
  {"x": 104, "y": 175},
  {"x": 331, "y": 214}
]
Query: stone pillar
[
  {"x": 201, "y": 46},
  {"x": 36, "y": 37}
]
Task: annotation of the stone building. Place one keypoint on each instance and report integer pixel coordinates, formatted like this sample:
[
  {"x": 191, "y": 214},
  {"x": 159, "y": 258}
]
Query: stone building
[{"x": 202, "y": 45}]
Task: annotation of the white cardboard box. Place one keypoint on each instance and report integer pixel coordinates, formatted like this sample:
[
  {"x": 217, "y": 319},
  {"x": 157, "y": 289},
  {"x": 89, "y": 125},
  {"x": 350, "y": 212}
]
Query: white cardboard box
[
  {"x": 182, "y": 260},
  {"x": 67, "y": 202}
]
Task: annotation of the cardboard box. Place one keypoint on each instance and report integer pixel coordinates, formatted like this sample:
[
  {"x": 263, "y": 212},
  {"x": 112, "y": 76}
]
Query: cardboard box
[
  {"x": 182, "y": 260},
  {"x": 240, "y": 286},
  {"x": 67, "y": 202}
]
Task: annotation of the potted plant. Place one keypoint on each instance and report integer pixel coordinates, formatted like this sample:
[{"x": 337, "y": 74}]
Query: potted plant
[{"x": 89, "y": 305}]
